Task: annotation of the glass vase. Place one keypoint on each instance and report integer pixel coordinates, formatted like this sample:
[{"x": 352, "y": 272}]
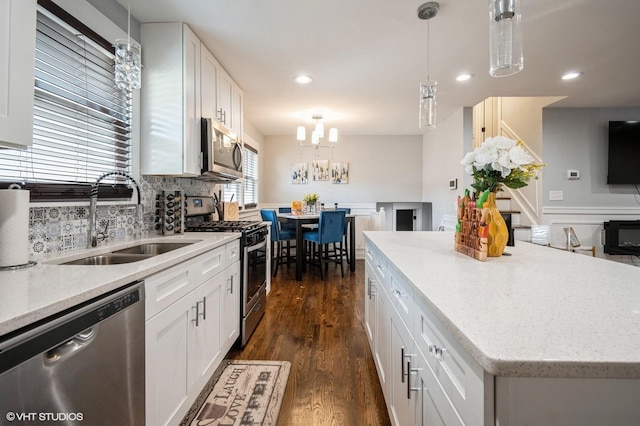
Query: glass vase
[{"x": 498, "y": 234}]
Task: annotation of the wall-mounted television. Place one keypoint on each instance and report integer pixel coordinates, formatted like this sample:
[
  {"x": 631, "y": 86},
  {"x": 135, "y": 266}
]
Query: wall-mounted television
[{"x": 624, "y": 152}]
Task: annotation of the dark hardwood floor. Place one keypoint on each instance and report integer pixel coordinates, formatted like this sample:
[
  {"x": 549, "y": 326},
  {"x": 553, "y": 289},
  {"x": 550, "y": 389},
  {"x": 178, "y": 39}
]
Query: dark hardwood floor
[{"x": 318, "y": 327}]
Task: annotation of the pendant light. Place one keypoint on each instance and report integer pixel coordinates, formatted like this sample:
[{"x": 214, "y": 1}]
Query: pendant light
[
  {"x": 428, "y": 89},
  {"x": 128, "y": 69},
  {"x": 505, "y": 38}
]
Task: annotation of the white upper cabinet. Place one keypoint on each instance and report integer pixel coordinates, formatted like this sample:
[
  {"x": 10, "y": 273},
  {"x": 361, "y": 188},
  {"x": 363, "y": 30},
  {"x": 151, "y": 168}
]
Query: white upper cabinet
[
  {"x": 171, "y": 101},
  {"x": 236, "y": 111},
  {"x": 229, "y": 98},
  {"x": 225, "y": 94},
  {"x": 17, "y": 63},
  {"x": 208, "y": 79},
  {"x": 181, "y": 83}
]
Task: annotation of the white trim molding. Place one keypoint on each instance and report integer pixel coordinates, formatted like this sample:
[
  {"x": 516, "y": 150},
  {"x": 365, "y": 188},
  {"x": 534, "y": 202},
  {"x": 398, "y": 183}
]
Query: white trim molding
[{"x": 591, "y": 211}]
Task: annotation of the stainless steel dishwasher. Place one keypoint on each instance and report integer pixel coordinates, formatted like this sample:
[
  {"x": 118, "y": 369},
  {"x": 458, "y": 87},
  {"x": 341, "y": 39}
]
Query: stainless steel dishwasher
[{"x": 82, "y": 367}]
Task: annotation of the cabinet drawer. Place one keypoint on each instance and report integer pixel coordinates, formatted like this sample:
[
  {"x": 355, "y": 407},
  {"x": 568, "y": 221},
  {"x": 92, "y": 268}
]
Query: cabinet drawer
[
  {"x": 166, "y": 287},
  {"x": 402, "y": 297},
  {"x": 210, "y": 264},
  {"x": 378, "y": 263},
  {"x": 233, "y": 252},
  {"x": 459, "y": 375}
]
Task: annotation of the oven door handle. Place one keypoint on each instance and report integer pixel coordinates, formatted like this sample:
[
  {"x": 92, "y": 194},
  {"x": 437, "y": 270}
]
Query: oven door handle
[{"x": 255, "y": 247}]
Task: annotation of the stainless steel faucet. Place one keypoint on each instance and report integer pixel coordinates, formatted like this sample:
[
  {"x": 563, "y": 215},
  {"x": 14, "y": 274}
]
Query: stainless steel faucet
[{"x": 93, "y": 201}]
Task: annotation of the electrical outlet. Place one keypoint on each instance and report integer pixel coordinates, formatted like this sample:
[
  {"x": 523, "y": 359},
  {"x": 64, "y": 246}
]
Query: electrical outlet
[{"x": 556, "y": 195}]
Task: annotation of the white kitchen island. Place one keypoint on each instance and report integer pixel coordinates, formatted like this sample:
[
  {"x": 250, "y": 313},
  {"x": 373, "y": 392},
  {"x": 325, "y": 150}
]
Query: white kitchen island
[{"x": 542, "y": 336}]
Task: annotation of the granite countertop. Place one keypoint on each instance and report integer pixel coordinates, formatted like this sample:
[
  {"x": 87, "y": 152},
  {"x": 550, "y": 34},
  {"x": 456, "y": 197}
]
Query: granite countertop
[
  {"x": 540, "y": 312},
  {"x": 31, "y": 294}
]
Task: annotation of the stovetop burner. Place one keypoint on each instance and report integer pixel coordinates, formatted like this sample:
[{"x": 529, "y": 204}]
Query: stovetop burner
[{"x": 224, "y": 226}]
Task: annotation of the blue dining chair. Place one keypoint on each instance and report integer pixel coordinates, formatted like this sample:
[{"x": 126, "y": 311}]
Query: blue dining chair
[
  {"x": 278, "y": 236},
  {"x": 330, "y": 231},
  {"x": 287, "y": 225},
  {"x": 347, "y": 211}
]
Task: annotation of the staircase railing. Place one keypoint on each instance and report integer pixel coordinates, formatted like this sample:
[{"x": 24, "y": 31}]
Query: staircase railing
[{"x": 528, "y": 206}]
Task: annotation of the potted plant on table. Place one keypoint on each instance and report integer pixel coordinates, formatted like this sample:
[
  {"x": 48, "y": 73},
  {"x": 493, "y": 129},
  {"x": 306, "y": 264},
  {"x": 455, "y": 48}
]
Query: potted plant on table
[{"x": 310, "y": 201}]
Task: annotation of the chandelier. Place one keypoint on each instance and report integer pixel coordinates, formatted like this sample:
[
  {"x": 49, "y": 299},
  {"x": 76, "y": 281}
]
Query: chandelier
[{"x": 316, "y": 134}]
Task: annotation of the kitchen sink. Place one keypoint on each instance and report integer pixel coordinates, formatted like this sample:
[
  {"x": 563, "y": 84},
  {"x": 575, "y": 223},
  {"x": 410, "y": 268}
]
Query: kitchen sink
[
  {"x": 109, "y": 259},
  {"x": 151, "y": 248},
  {"x": 130, "y": 254}
]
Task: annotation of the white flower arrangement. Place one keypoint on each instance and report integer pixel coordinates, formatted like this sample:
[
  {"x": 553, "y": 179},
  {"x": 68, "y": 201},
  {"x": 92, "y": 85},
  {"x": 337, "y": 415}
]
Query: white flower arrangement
[{"x": 500, "y": 160}]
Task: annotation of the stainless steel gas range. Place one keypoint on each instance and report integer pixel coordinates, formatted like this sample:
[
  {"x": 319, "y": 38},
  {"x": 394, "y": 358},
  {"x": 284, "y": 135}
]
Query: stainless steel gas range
[{"x": 253, "y": 249}]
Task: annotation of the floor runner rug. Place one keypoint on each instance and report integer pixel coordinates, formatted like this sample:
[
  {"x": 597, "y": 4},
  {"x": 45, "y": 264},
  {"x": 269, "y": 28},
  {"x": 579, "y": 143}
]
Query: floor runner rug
[{"x": 246, "y": 393}]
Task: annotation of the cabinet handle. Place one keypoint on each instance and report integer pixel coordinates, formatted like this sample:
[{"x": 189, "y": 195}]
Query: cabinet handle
[
  {"x": 197, "y": 315},
  {"x": 404, "y": 355},
  {"x": 401, "y": 363},
  {"x": 230, "y": 289},
  {"x": 409, "y": 388},
  {"x": 369, "y": 287},
  {"x": 437, "y": 352}
]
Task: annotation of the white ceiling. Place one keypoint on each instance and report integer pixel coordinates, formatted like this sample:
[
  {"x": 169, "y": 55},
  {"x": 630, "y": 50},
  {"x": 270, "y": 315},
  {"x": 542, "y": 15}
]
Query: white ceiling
[{"x": 367, "y": 57}]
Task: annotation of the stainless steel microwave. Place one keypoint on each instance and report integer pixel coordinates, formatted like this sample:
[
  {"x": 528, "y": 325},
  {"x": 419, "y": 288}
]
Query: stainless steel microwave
[{"x": 221, "y": 152}]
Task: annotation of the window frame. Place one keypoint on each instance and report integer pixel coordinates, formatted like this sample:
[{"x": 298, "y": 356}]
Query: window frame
[
  {"x": 93, "y": 21},
  {"x": 239, "y": 185}
]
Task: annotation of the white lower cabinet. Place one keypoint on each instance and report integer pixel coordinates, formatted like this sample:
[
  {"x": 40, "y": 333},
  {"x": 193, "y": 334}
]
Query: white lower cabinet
[
  {"x": 187, "y": 339},
  {"x": 427, "y": 378},
  {"x": 376, "y": 318},
  {"x": 402, "y": 407},
  {"x": 167, "y": 381},
  {"x": 231, "y": 305},
  {"x": 205, "y": 330}
]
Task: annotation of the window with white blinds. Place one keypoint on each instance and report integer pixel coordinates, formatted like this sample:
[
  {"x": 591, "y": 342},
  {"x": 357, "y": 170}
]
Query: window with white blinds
[
  {"x": 247, "y": 189},
  {"x": 82, "y": 121}
]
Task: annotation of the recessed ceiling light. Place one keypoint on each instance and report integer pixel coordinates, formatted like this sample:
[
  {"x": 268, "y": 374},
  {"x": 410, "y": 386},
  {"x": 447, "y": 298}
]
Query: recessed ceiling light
[
  {"x": 303, "y": 79},
  {"x": 571, "y": 75},
  {"x": 464, "y": 77}
]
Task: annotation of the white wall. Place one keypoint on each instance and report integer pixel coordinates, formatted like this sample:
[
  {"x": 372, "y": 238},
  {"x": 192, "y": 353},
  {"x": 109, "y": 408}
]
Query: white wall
[
  {"x": 381, "y": 168},
  {"x": 443, "y": 148}
]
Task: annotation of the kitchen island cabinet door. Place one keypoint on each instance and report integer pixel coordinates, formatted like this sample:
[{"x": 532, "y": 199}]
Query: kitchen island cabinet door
[
  {"x": 403, "y": 403},
  {"x": 17, "y": 62},
  {"x": 370, "y": 304},
  {"x": 382, "y": 340}
]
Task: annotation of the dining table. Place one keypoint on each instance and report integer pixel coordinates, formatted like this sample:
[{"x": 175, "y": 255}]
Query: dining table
[{"x": 309, "y": 218}]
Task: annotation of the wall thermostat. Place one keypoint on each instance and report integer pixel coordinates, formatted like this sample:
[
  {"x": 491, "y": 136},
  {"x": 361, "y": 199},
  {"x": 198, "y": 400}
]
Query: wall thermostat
[{"x": 573, "y": 174}]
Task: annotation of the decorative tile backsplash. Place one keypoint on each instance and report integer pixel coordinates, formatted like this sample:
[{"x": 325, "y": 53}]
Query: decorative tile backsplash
[{"x": 60, "y": 228}]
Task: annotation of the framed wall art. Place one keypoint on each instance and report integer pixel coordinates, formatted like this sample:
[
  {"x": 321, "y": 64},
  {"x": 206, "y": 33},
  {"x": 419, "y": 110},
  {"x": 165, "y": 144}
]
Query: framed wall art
[
  {"x": 299, "y": 173},
  {"x": 320, "y": 170},
  {"x": 340, "y": 172}
]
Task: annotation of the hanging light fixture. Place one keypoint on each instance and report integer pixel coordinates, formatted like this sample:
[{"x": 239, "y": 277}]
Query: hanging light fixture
[
  {"x": 505, "y": 38},
  {"x": 428, "y": 89},
  {"x": 128, "y": 72},
  {"x": 317, "y": 134}
]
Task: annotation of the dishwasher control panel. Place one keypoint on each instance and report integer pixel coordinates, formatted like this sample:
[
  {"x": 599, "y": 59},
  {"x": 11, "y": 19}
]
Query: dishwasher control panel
[{"x": 116, "y": 305}]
